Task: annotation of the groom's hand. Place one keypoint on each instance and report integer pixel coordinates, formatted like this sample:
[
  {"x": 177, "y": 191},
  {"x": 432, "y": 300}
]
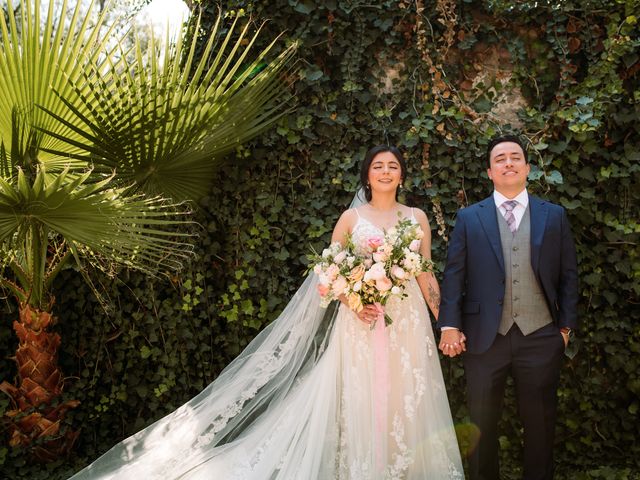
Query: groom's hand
[{"x": 452, "y": 342}]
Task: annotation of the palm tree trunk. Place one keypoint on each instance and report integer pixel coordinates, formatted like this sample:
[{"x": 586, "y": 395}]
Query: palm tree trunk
[{"x": 35, "y": 420}]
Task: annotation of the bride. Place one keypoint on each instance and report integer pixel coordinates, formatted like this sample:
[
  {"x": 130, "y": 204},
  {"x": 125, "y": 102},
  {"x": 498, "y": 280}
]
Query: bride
[{"x": 310, "y": 398}]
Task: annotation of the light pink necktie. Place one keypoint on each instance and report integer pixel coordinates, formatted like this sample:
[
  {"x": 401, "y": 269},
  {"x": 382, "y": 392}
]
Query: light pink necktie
[{"x": 509, "y": 205}]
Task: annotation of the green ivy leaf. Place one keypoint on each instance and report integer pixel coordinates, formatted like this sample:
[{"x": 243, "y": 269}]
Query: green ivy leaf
[
  {"x": 571, "y": 204},
  {"x": 584, "y": 100},
  {"x": 554, "y": 178},
  {"x": 313, "y": 74},
  {"x": 303, "y": 6}
]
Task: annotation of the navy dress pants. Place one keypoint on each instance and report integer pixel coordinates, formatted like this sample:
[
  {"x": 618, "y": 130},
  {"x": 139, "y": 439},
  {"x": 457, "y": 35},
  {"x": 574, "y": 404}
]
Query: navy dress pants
[{"x": 534, "y": 362}]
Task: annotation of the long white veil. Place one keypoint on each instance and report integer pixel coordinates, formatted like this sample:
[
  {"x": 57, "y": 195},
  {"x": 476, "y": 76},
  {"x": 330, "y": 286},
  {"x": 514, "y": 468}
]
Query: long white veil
[{"x": 260, "y": 377}]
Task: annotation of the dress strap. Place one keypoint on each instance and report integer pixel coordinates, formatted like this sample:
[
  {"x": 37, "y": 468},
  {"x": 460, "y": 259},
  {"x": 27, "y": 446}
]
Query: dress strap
[
  {"x": 357, "y": 212},
  {"x": 412, "y": 215}
]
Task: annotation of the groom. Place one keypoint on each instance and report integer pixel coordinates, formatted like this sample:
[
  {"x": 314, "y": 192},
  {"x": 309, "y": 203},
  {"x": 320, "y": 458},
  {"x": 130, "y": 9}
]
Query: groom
[{"x": 510, "y": 287}]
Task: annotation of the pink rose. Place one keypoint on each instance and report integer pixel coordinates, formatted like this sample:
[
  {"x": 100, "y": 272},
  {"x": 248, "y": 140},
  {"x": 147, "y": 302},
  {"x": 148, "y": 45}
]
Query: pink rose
[
  {"x": 339, "y": 285},
  {"x": 375, "y": 242},
  {"x": 414, "y": 246},
  {"x": 384, "y": 284},
  {"x": 323, "y": 289},
  {"x": 332, "y": 272}
]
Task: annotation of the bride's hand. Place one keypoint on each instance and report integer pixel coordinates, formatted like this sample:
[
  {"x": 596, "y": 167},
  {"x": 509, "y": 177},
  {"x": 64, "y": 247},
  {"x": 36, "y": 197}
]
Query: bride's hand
[{"x": 368, "y": 314}]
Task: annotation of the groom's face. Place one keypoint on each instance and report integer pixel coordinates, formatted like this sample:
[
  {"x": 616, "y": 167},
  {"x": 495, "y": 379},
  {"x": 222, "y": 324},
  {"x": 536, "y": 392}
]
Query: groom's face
[{"x": 508, "y": 168}]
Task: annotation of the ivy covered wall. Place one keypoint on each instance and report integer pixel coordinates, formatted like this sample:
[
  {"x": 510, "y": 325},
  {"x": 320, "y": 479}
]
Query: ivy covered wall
[{"x": 438, "y": 79}]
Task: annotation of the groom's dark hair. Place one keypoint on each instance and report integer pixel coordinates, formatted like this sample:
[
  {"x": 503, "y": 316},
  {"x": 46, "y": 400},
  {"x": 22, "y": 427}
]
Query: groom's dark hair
[
  {"x": 366, "y": 163},
  {"x": 501, "y": 139}
]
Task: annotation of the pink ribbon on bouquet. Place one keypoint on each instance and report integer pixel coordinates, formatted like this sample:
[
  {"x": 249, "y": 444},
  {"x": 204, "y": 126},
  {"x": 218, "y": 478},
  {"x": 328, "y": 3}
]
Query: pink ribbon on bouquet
[{"x": 381, "y": 381}]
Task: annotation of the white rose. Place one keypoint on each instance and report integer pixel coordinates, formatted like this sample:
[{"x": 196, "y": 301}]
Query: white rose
[
  {"x": 376, "y": 272},
  {"x": 340, "y": 257},
  {"x": 398, "y": 272}
]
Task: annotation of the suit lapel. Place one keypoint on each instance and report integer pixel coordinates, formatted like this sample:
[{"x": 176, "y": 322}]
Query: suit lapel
[
  {"x": 489, "y": 222},
  {"x": 538, "y": 211}
]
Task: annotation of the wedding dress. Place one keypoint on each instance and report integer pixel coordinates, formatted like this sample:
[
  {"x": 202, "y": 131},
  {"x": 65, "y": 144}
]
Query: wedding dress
[{"x": 309, "y": 399}]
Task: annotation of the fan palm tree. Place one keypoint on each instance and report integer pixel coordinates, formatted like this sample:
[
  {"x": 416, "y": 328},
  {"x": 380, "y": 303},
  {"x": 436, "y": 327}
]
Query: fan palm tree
[{"x": 102, "y": 144}]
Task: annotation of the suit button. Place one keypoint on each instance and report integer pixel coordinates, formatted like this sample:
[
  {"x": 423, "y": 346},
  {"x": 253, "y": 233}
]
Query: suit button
[
  {"x": 515, "y": 281},
  {"x": 515, "y": 315},
  {"x": 515, "y": 265},
  {"x": 503, "y": 281},
  {"x": 515, "y": 249},
  {"x": 500, "y": 302},
  {"x": 515, "y": 299}
]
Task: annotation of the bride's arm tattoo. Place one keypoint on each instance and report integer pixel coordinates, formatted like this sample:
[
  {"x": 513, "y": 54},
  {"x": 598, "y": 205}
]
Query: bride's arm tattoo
[
  {"x": 433, "y": 295},
  {"x": 434, "y": 298}
]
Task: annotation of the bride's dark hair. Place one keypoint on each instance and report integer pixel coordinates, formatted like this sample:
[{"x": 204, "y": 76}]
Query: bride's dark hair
[{"x": 366, "y": 163}]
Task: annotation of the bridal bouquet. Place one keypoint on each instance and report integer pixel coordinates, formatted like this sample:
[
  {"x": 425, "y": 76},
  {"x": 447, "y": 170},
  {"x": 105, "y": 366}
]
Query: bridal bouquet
[{"x": 371, "y": 272}]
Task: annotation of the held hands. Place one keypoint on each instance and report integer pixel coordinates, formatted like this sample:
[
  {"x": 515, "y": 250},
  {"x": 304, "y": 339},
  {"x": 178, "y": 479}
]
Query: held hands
[{"x": 452, "y": 342}]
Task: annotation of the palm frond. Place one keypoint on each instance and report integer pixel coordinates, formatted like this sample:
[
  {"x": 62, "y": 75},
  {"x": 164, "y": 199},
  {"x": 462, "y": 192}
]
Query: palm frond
[
  {"x": 104, "y": 223},
  {"x": 38, "y": 58},
  {"x": 164, "y": 125}
]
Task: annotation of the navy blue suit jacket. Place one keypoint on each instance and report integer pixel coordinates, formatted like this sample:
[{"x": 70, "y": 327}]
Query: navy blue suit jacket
[{"x": 473, "y": 286}]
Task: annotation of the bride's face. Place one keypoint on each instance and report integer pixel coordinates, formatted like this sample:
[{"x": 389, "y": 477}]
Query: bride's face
[{"x": 385, "y": 173}]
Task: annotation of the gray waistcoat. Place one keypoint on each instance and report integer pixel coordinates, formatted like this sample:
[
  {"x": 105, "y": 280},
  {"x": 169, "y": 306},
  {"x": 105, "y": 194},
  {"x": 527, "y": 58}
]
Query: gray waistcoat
[{"x": 524, "y": 301}]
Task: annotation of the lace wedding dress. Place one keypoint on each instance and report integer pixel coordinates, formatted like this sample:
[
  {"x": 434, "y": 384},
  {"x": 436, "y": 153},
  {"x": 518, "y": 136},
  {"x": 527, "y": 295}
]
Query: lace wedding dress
[{"x": 310, "y": 399}]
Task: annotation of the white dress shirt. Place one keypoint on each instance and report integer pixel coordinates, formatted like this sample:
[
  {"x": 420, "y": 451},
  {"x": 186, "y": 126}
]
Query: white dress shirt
[{"x": 518, "y": 211}]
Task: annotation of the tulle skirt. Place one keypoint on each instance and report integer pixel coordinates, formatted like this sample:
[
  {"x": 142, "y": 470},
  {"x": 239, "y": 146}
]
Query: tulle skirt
[{"x": 359, "y": 404}]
